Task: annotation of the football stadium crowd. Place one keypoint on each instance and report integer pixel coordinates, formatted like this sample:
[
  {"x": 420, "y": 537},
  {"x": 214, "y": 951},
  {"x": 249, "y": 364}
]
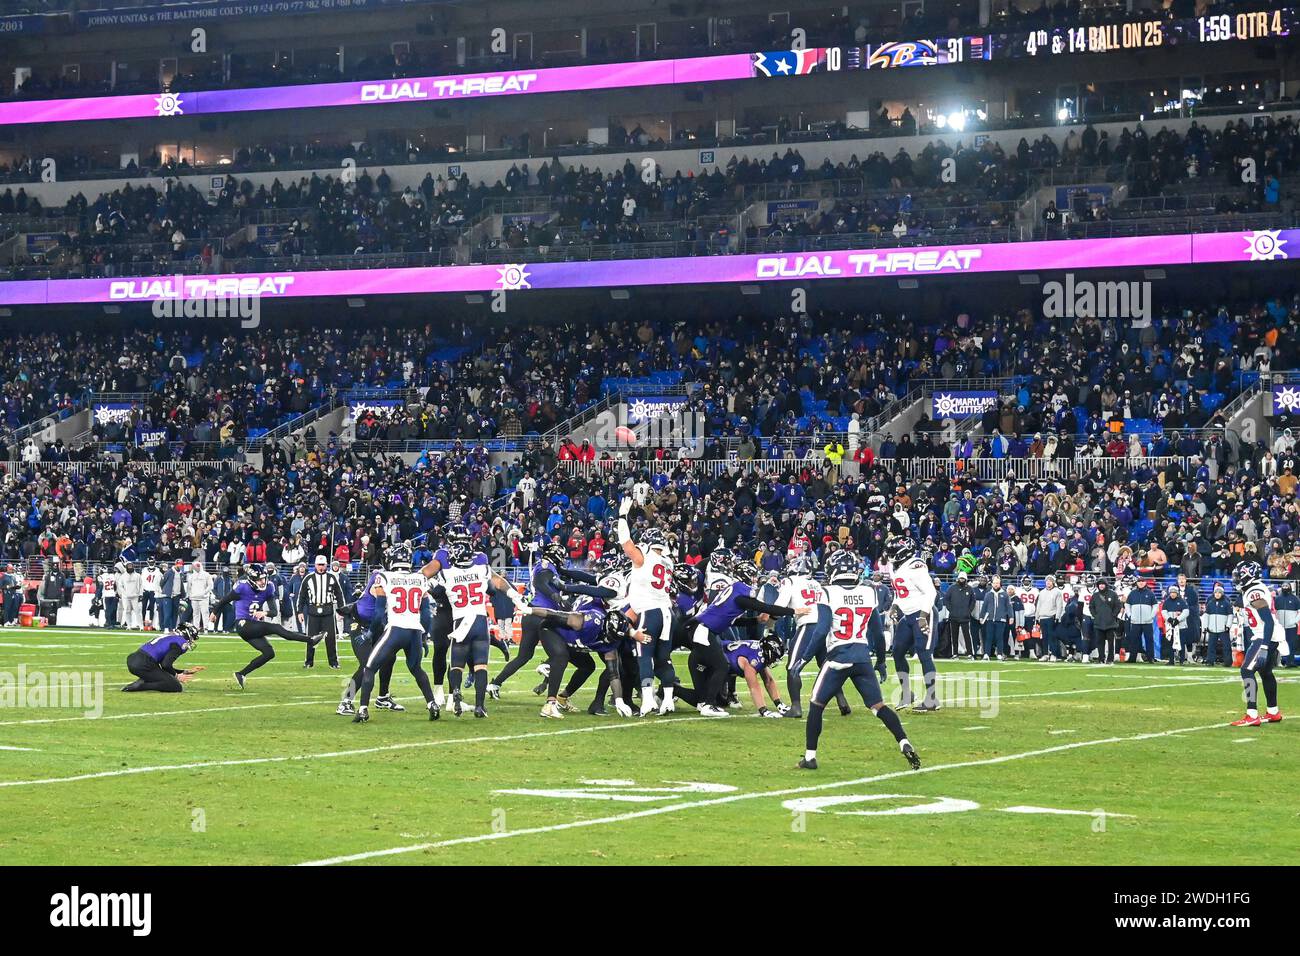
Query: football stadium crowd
[
  {"x": 783, "y": 378},
  {"x": 1133, "y": 472},
  {"x": 312, "y": 221}
]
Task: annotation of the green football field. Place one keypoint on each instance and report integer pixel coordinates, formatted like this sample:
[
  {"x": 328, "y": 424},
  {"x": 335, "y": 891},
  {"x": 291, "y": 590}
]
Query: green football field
[{"x": 1029, "y": 763}]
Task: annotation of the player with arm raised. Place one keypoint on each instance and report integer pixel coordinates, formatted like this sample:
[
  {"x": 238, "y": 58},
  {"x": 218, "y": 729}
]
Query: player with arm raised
[
  {"x": 254, "y": 598},
  {"x": 649, "y": 597},
  {"x": 914, "y": 596},
  {"x": 404, "y": 592},
  {"x": 848, "y": 656},
  {"x": 1265, "y": 642},
  {"x": 465, "y": 575}
]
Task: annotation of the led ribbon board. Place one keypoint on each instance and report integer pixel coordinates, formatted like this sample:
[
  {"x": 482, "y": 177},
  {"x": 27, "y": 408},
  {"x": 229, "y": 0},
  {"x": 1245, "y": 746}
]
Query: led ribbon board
[{"x": 976, "y": 259}]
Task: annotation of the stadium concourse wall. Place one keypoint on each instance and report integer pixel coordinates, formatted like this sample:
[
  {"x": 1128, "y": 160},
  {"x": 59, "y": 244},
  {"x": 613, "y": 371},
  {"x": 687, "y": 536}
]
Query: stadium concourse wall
[{"x": 694, "y": 161}]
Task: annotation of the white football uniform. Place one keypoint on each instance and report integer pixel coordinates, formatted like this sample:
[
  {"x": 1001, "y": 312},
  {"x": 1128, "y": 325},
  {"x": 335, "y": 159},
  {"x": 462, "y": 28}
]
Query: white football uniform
[
  {"x": 800, "y": 590},
  {"x": 467, "y": 593},
  {"x": 1259, "y": 619},
  {"x": 1029, "y": 598},
  {"x": 647, "y": 586},
  {"x": 616, "y": 582},
  {"x": 913, "y": 587},
  {"x": 405, "y": 594},
  {"x": 851, "y": 609}
]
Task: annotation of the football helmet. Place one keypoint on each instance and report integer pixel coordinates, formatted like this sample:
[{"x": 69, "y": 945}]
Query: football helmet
[
  {"x": 398, "y": 557},
  {"x": 900, "y": 550},
  {"x": 1246, "y": 574},
  {"x": 255, "y": 575},
  {"x": 843, "y": 567},
  {"x": 687, "y": 579},
  {"x": 654, "y": 538}
]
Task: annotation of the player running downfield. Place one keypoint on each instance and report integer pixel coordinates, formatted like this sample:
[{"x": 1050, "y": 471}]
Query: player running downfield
[{"x": 848, "y": 656}]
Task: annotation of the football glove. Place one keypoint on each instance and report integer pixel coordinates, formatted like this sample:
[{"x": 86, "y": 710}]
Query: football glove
[{"x": 623, "y": 709}]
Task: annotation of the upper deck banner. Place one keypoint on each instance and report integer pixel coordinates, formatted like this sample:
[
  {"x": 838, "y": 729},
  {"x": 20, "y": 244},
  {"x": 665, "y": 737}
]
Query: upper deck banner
[{"x": 1051, "y": 256}]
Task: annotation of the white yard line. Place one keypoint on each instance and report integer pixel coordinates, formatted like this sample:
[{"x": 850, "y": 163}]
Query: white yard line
[
  {"x": 385, "y": 748},
  {"x": 25, "y": 749},
  {"x": 1116, "y": 690},
  {"x": 734, "y": 798}
]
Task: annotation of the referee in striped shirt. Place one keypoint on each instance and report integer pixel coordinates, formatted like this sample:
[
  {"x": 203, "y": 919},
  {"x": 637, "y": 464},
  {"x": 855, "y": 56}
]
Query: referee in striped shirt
[{"x": 319, "y": 598}]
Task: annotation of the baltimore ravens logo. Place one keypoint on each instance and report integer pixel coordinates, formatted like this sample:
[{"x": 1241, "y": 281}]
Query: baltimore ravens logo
[{"x": 904, "y": 53}]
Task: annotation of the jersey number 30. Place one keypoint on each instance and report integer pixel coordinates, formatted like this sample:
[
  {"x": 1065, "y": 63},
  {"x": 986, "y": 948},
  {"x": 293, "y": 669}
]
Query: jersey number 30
[{"x": 406, "y": 600}]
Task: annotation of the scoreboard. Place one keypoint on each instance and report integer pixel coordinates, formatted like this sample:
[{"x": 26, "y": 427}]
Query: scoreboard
[{"x": 1150, "y": 34}]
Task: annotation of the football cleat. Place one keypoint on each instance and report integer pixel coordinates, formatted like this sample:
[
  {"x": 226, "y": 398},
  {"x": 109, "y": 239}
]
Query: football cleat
[
  {"x": 913, "y": 758},
  {"x": 494, "y": 691},
  {"x": 597, "y": 709},
  {"x": 925, "y": 707},
  {"x": 806, "y": 764},
  {"x": 708, "y": 710},
  {"x": 307, "y": 665},
  {"x": 1271, "y": 718},
  {"x": 386, "y": 702},
  {"x": 239, "y": 679},
  {"x": 345, "y": 709},
  {"x": 480, "y": 712},
  {"x": 362, "y": 715},
  {"x": 565, "y": 707},
  {"x": 794, "y": 712},
  {"x": 846, "y": 710},
  {"x": 540, "y": 689},
  {"x": 1246, "y": 721},
  {"x": 434, "y": 710},
  {"x": 457, "y": 705},
  {"x": 469, "y": 680},
  {"x": 764, "y": 712},
  {"x": 552, "y": 710},
  {"x": 782, "y": 709}
]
